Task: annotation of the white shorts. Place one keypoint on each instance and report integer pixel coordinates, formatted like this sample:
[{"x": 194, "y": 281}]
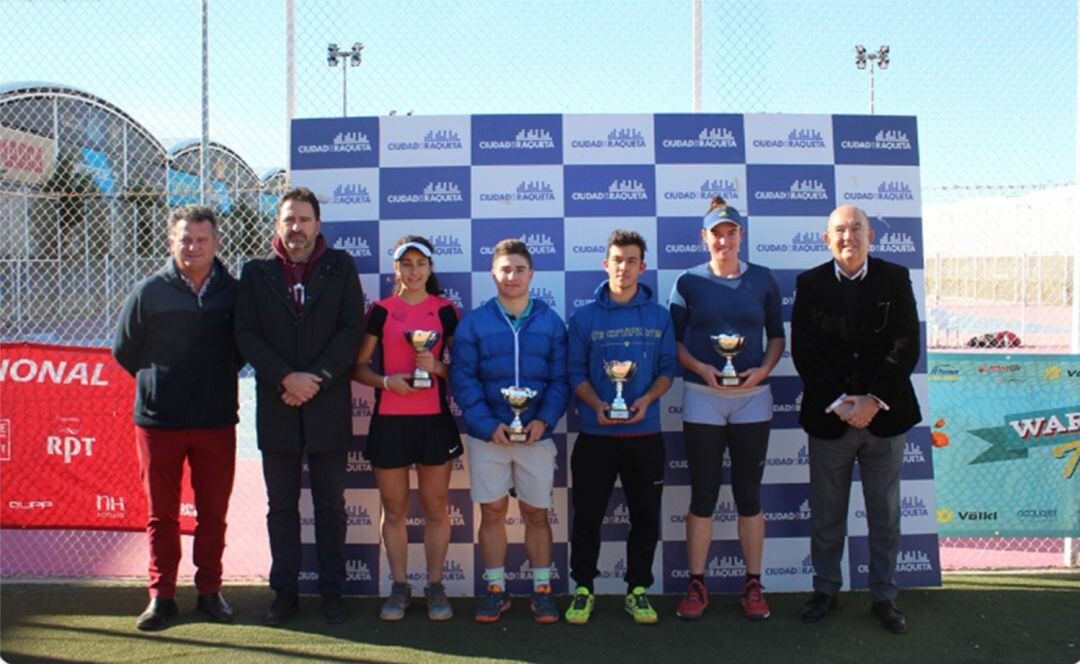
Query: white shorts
[
  {"x": 703, "y": 405},
  {"x": 529, "y": 469}
]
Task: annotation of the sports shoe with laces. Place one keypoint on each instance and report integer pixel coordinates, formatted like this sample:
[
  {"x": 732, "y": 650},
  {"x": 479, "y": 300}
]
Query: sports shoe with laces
[
  {"x": 581, "y": 607},
  {"x": 637, "y": 605},
  {"x": 494, "y": 604},
  {"x": 693, "y": 603},
  {"x": 543, "y": 605},
  {"x": 753, "y": 601},
  {"x": 438, "y": 604},
  {"x": 397, "y": 603}
]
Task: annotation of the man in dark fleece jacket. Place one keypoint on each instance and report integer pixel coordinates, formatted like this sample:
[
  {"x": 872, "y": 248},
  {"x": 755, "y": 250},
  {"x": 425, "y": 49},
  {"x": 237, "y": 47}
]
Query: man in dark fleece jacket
[
  {"x": 176, "y": 338},
  {"x": 623, "y": 324}
]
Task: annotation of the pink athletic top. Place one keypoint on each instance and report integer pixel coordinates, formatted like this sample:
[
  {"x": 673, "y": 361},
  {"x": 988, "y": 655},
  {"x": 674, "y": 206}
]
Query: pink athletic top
[{"x": 389, "y": 319}]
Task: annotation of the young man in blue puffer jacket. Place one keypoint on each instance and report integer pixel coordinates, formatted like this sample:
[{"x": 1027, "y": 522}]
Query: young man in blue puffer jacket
[{"x": 512, "y": 340}]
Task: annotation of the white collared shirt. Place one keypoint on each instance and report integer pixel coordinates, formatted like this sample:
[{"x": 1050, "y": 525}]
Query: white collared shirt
[{"x": 859, "y": 275}]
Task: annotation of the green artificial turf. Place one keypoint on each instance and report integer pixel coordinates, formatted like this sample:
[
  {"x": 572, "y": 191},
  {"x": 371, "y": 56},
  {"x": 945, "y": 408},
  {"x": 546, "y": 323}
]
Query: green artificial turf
[{"x": 1031, "y": 617}]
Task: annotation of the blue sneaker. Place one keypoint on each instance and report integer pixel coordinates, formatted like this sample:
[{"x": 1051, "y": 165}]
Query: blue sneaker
[
  {"x": 494, "y": 604},
  {"x": 543, "y": 605}
]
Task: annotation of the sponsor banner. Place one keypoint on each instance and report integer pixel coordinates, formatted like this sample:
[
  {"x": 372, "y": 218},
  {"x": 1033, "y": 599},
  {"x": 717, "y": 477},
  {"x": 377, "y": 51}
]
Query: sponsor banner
[
  {"x": 613, "y": 566},
  {"x": 788, "y": 461},
  {"x": 610, "y": 191},
  {"x": 359, "y": 239},
  {"x": 516, "y": 139},
  {"x": 361, "y": 510},
  {"x": 334, "y": 143},
  {"x": 1008, "y": 471},
  {"x": 725, "y": 569},
  {"x": 361, "y": 570},
  {"x": 675, "y": 505},
  {"x": 586, "y": 240},
  {"x": 452, "y": 239},
  {"x": 67, "y": 442},
  {"x": 359, "y": 472},
  {"x": 899, "y": 240},
  {"x": 457, "y": 571},
  {"x": 425, "y": 140},
  {"x": 787, "y": 509},
  {"x": 517, "y": 191},
  {"x": 363, "y": 407},
  {"x": 686, "y": 191},
  {"x": 580, "y": 287},
  {"x": 788, "y": 243},
  {"x": 344, "y": 194},
  {"x": 786, "y": 565},
  {"x": 699, "y": 138},
  {"x": 424, "y": 193},
  {"x": 774, "y": 138},
  {"x": 544, "y": 238},
  {"x": 785, "y": 367},
  {"x": 787, "y": 400},
  {"x": 917, "y": 510},
  {"x": 370, "y": 284},
  {"x": 676, "y": 467},
  {"x": 519, "y": 578},
  {"x": 608, "y": 139},
  {"x": 881, "y": 191},
  {"x": 876, "y": 139},
  {"x": 459, "y": 512},
  {"x": 457, "y": 287},
  {"x": 25, "y": 157},
  {"x": 547, "y": 286},
  {"x": 786, "y": 280},
  {"x": 917, "y": 561},
  {"x": 791, "y": 190}
]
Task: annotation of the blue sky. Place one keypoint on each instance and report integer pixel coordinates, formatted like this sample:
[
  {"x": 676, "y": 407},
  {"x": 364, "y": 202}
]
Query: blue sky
[{"x": 993, "y": 84}]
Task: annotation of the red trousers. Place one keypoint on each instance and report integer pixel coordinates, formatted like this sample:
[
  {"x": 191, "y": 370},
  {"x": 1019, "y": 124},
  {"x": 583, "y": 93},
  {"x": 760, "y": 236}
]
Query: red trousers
[{"x": 211, "y": 455}]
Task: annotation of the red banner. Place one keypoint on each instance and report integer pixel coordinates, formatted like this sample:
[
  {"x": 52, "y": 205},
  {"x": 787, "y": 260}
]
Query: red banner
[{"x": 67, "y": 443}]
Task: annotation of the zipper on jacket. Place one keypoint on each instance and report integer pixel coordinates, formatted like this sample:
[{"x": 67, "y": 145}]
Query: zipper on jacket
[{"x": 514, "y": 331}]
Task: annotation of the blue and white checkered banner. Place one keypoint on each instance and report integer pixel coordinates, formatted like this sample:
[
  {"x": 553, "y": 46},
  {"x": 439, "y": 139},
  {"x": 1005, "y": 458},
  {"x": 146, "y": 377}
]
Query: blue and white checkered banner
[{"x": 562, "y": 183}]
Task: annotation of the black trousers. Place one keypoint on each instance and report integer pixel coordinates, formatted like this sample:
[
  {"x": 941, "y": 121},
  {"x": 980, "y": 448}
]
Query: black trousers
[
  {"x": 281, "y": 471},
  {"x": 638, "y": 461}
]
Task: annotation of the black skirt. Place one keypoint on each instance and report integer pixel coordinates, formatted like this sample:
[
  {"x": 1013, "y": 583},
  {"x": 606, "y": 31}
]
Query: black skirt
[{"x": 397, "y": 441}]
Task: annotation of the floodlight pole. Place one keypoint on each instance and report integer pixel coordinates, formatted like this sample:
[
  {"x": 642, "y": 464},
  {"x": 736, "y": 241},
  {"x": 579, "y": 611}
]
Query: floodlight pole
[
  {"x": 862, "y": 59},
  {"x": 333, "y": 56}
]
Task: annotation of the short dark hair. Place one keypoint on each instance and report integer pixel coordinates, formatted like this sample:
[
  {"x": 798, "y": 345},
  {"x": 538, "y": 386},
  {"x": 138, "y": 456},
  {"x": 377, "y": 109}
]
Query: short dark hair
[
  {"x": 300, "y": 194},
  {"x": 193, "y": 214},
  {"x": 512, "y": 247},
  {"x": 624, "y": 238}
]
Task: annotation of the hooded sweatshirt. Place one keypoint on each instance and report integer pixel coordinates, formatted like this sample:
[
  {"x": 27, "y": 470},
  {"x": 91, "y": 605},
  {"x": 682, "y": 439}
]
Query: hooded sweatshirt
[{"x": 603, "y": 330}]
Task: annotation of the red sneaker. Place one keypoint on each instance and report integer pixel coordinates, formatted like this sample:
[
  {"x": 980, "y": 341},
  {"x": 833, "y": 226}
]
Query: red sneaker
[
  {"x": 693, "y": 603},
  {"x": 753, "y": 601}
]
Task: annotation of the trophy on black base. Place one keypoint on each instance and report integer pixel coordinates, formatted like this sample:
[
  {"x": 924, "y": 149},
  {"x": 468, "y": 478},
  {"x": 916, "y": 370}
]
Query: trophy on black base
[
  {"x": 729, "y": 346},
  {"x": 519, "y": 399},
  {"x": 619, "y": 371},
  {"x": 421, "y": 340}
]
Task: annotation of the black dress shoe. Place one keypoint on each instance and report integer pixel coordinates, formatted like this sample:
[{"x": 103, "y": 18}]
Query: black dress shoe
[
  {"x": 215, "y": 606},
  {"x": 817, "y": 607},
  {"x": 157, "y": 614},
  {"x": 282, "y": 608},
  {"x": 333, "y": 609},
  {"x": 891, "y": 617}
]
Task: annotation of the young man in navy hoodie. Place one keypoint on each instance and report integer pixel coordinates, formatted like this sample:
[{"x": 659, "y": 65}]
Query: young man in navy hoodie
[{"x": 623, "y": 323}]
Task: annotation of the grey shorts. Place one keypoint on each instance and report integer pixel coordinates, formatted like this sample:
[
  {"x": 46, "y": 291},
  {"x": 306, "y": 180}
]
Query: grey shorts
[{"x": 529, "y": 469}]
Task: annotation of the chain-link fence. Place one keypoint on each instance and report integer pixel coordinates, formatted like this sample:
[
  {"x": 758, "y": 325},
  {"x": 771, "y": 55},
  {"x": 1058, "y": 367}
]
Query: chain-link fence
[{"x": 91, "y": 161}]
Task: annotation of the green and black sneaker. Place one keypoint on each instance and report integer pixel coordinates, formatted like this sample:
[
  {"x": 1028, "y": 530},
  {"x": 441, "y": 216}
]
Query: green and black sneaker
[
  {"x": 581, "y": 607},
  {"x": 637, "y": 605}
]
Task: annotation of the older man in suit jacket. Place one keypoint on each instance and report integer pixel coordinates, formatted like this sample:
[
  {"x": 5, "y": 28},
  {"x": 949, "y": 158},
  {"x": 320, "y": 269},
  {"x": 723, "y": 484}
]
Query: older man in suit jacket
[{"x": 855, "y": 343}]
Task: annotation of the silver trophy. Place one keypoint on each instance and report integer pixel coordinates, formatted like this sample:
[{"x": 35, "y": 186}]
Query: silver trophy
[
  {"x": 519, "y": 399},
  {"x": 619, "y": 371},
  {"x": 729, "y": 346},
  {"x": 421, "y": 340}
]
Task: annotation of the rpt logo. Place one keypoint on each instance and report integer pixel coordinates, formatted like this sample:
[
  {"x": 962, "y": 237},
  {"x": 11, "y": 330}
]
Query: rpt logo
[{"x": 69, "y": 443}]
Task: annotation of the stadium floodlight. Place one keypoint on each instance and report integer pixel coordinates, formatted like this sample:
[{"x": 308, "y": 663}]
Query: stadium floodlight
[
  {"x": 334, "y": 55},
  {"x": 862, "y": 58}
]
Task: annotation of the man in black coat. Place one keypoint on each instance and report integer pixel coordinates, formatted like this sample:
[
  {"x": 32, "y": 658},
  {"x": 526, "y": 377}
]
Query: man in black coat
[
  {"x": 855, "y": 343},
  {"x": 176, "y": 338},
  {"x": 299, "y": 322}
]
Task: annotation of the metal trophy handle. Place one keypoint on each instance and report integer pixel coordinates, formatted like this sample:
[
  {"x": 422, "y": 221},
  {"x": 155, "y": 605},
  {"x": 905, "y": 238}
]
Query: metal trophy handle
[
  {"x": 729, "y": 345},
  {"x": 519, "y": 399},
  {"x": 619, "y": 371},
  {"x": 421, "y": 340}
]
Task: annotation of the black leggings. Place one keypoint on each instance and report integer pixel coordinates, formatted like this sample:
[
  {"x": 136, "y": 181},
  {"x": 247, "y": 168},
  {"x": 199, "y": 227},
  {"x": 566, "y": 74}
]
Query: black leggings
[{"x": 747, "y": 444}]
